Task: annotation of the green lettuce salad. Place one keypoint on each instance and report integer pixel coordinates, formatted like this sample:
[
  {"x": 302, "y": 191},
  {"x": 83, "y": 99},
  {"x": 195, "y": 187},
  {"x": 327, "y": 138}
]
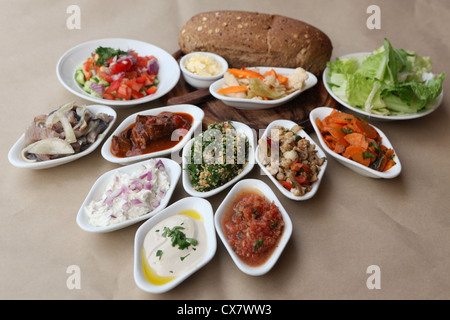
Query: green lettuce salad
[{"x": 386, "y": 82}]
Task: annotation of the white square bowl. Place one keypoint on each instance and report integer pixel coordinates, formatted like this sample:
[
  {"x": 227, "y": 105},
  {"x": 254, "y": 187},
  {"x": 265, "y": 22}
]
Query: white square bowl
[
  {"x": 253, "y": 104},
  {"x": 204, "y": 208},
  {"x": 321, "y": 113},
  {"x": 14, "y": 154},
  {"x": 99, "y": 187},
  {"x": 196, "y": 113},
  {"x": 315, "y": 185},
  {"x": 241, "y": 128},
  {"x": 286, "y": 235}
]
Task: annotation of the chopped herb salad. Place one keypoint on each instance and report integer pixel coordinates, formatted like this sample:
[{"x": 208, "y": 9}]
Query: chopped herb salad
[
  {"x": 114, "y": 74},
  {"x": 217, "y": 156}
]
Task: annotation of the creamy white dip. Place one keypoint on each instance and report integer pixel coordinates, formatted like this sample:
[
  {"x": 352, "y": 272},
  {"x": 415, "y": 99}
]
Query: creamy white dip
[
  {"x": 128, "y": 196},
  {"x": 166, "y": 260}
]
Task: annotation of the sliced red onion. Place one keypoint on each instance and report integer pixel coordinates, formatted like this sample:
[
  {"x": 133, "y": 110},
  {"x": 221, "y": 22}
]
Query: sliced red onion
[
  {"x": 132, "y": 59},
  {"x": 135, "y": 201},
  {"x": 113, "y": 216},
  {"x": 153, "y": 66},
  {"x": 159, "y": 164},
  {"x": 148, "y": 186},
  {"x": 136, "y": 185},
  {"x": 98, "y": 88},
  {"x": 126, "y": 207}
]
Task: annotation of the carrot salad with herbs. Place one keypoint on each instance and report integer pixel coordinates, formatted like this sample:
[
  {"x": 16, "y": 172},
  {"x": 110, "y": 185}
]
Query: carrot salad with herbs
[{"x": 355, "y": 139}]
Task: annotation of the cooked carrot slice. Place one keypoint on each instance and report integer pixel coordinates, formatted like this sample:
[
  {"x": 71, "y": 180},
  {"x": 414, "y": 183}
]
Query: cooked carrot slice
[
  {"x": 282, "y": 79},
  {"x": 270, "y": 73},
  {"x": 339, "y": 148},
  {"x": 341, "y": 117},
  {"x": 389, "y": 165},
  {"x": 336, "y": 131},
  {"x": 357, "y": 154},
  {"x": 357, "y": 139},
  {"x": 319, "y": 125},
  {"x": 245, "y": 73},
  {"x": 233, "y": 89},
  {"x": 361, "y": 126}
]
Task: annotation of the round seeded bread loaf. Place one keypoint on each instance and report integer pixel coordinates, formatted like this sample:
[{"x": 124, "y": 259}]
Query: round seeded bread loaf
[{"x": 249, "y": 39}]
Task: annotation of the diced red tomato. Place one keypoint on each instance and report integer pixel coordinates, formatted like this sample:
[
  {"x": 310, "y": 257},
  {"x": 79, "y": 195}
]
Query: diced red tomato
[
  {"x": 136, "y": 94},
  {"x": 151, "y": 90},
  {"x": 117, "y": 68},
  {"x": 109, "y": 96},
  {"x": 141, "y": 79},
  {"x": 287, "y": 185},
  {"x": 297, "y": 166},
  {"x": 103, "y": 75},
  {"x": 124, "y": 92},
  {"x": 114, "y": 86},
  {"x": 135, "y": 83},
  {"x": 301, "y": 179},
  {"x": 142, "y": 62}
]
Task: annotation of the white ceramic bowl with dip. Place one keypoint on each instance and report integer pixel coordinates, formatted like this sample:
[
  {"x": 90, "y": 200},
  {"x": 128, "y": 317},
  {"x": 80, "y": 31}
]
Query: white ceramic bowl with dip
[
  {"x": 264, "y": 189},
  {"x": 203, "y": 79},
  {"x": 205, "y": 211}
]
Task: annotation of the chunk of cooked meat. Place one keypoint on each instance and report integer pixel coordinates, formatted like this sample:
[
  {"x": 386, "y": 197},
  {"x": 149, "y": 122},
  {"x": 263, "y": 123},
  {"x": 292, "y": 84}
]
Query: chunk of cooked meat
[
  {"x": 145, "y": 130},
  {"x": 150, "y": 128}
]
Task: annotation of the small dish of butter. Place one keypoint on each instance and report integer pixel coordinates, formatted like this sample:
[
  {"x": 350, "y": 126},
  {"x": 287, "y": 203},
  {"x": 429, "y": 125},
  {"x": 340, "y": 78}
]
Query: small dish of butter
[{"x": 201, "y": 69}]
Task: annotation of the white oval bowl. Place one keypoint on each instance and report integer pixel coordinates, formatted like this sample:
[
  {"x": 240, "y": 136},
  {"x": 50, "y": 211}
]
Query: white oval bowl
[
  {"x": 252, "y": 104},
  {"x": 322, "y": 113},
  {"x": 194, "y": 111},
  {"x": 187, "y": 184},
  {"x": 270, "y": 195},
  {"x": 199, "y": 81},
  {"x": 315, "y": 185},
  {"x": 204, "y": 208},
  {"x": 16, "y": 160},
  {"x": 168, "y": 74},
  {"x": 326, "y": 76},
  {"x": 99, "y": 187}
]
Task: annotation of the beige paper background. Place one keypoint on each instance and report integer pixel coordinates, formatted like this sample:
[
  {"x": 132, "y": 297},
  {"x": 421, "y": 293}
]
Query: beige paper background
[{"x": 401, "y": 225}]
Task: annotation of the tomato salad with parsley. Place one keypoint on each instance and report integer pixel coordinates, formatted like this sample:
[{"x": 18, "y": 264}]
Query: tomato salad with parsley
[{"x": 114, "y": 74}]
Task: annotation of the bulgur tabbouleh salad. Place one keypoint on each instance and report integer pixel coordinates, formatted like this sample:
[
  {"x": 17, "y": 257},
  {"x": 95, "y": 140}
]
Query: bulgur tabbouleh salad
[{"x": 217, "y": 156}]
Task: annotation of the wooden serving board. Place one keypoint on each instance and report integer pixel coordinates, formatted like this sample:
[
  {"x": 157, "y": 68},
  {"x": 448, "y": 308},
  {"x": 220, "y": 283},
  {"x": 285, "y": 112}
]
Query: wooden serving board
[{"x": 296, "y": 110}]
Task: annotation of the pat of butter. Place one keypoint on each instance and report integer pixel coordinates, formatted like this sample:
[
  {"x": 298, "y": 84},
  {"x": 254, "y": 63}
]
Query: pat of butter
[{"x": 203, "y": 65}]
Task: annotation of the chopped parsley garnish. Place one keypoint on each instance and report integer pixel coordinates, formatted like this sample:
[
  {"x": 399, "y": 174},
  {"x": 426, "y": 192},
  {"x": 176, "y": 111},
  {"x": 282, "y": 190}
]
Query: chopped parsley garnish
[
  {"x": 347, "y": 131},
  {"x": 182, "y": 258},
  {"x": 159, "y": 254},
  {"x": 178, "y": 237},
  {"x": 367, "y": 155},
  {"x": 105, "y": 54},
  {"x": 257, "y": 244}
]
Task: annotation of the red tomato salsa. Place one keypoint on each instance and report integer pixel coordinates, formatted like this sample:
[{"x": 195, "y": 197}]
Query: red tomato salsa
[
  {"x": 253, "y": 226},
  {"x": 114, "y": 74}
]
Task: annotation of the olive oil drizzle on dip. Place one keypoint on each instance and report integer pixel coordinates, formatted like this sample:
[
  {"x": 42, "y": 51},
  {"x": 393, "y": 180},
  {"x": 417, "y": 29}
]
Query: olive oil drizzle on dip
[{"x": 173, "y": 247}]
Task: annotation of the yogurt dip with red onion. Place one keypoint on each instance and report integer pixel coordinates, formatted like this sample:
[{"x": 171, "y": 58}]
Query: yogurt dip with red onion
[{"x": 129, "y": 196}]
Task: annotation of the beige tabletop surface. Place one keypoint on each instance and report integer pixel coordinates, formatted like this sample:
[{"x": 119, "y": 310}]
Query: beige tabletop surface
[{"x": 353, "y": 223}]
